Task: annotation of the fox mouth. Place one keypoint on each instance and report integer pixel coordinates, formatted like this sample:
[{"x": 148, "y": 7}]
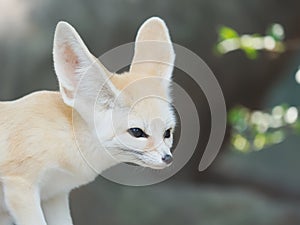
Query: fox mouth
[
  {"x": 144, "y": 164},
  {"x": 131, "y": 164},
  {"x": 141, "y": 162},
  {"x": 135, "y": 152}
]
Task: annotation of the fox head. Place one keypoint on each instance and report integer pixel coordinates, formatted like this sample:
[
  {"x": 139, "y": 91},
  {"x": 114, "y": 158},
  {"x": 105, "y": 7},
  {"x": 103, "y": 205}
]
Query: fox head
[{"x": 132, "y": 114}]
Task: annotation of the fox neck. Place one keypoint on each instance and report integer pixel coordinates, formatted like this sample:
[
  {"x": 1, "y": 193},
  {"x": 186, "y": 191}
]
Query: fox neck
[{"x": 90, "y": 147}]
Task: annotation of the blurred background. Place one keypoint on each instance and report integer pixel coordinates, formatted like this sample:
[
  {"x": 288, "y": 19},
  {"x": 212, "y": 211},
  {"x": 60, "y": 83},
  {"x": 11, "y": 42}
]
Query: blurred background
[{"x": 253, "y": 48}]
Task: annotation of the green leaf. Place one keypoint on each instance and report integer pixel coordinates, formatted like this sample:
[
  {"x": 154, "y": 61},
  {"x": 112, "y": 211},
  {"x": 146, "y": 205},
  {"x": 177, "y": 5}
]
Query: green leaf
[
  {"x": 227, "y": 33},
  {"x": 276, "y": 31},
  {"x": 296, "y": 127},
  {"x": 251, "y": 53},
  {"x": 259, "y": 142},
  {"x": 237, "y": 114}
]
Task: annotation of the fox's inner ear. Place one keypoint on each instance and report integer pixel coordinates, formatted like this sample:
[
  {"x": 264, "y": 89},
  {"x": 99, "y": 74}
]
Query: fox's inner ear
[
  {"x": 154, "y": 53},
  {"x": 74, "y": 63}
]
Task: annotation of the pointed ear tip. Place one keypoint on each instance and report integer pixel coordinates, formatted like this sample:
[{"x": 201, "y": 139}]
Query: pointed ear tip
[
  {"x": 63, "y": 27},
  {"x": 63, "y": 24},
  {"x": 155, "y": 21},
  {"x": 155, "y": 18}
]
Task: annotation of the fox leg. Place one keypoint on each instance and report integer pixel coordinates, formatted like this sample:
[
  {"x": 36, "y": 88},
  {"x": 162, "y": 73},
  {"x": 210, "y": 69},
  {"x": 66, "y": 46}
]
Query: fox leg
[
  {"x": 5, "y": 219},
  {"x": 57, "y": 211},
  {"x": 23, "y": 201}
]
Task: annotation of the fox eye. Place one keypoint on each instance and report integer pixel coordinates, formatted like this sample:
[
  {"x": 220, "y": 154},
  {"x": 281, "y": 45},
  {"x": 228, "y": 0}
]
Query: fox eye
[
  {"x": 167, "y": 133},
  {"x": 137, "y": 132}
]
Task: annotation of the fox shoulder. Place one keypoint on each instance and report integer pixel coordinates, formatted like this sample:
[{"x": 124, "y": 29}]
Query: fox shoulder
[{"x": 33, "y": 130}]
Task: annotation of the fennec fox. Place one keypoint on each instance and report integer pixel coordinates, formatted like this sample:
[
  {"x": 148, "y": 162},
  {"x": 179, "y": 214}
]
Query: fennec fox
[{"x": 47, "y": 138}]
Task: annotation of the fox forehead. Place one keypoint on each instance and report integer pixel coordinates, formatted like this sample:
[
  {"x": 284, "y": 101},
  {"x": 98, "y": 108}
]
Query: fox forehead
[
  {"x": 149, "y": 111},
  {"x": 140, "y": 84},
  {"x": 147, "y": 96},
  {"x": 146, "y": 90}
]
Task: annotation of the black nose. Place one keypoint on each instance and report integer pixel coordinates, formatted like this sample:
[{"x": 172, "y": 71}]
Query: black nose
[{"x": 167, "y": 159}]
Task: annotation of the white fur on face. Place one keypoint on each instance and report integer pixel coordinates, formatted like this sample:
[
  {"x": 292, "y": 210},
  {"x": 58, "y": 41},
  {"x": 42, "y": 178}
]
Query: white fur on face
[
  {"x": 152, "y": 115},
  {"x": 139, "y": 98}
]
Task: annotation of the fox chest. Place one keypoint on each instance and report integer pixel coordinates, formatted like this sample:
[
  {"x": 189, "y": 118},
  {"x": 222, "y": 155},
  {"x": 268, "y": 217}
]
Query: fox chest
[{"x": 56, "y": 182}]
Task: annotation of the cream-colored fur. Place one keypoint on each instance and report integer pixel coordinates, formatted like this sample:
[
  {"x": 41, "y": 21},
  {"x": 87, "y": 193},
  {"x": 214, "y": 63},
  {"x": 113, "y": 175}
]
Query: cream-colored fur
[{"x": 53, "y": 142}]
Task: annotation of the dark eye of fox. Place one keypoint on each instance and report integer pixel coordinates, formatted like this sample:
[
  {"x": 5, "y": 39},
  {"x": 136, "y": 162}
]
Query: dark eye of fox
[
  {"x": 167, "y": 133},
  {"x": 137, "y": 132}
]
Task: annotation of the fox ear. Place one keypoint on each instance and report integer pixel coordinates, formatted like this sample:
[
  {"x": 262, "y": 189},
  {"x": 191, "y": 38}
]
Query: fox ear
[
  {"x": 154, "y": 53},
  {"x": 72, "y": 62}
]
